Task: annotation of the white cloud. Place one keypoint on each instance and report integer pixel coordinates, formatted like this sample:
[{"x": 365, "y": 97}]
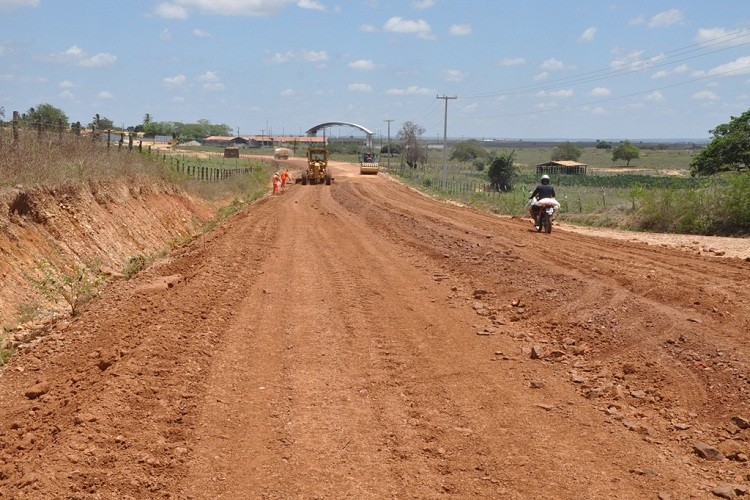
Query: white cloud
[
  {"x": 105, "y": 95},
  {"x": 541, "y": 76},
  {"x": 303, "y": 55},
  {"x": 460, "y": 30},
  {"x": 167, "y": 10},
  {"x": 6, "y": 5},
  {"x": 655, "y": 96},
  {"x": 598, "y": 111},
  {"x": 546, "y": 106},
  {"x": 555, "y": 93},
  {"x": 636, "y": 21},
  {"x": 359, "y": 87},
  {"x": 367, "y": 28},
  {"x": 78, "y": 57},
  {"x": 165, "y": 34},
  {"x": 310, "y": 4},
  {"x": 600, "y": 92},
  {"x": 682, "y": 68},
  {"x": 660, "y": 74},
  {"x": 587, "y": 35},
  {"x": 362, "y": 65},
  {"x": 423, "y": 4},
  {"x": 9, "y": 77},
  {"x": 179, "y": 9},
  {"x": 174, "y": 81},
  {"x": 633, "y": 61},
  {"x": 512, "y": 61},
  {"x": 552, "y": 64},
  {"x": 411, "y": 91},
  {"x": 198, "y": 33},
  {"x": 740, "y": 66},
  {"x": 722, "y": 37},
  {"x": 705, "y": 95},
  {"x": 214, "y": 86},
  {"x": 666, "y": 19},
  {"x": 67, "y": 95},
  {"x": 66, "y": 84},
  {"x": 208, "y": 76},
  {"x": 453, "y": 75},
  {"x": 401, "y": 25},
  {"x": 287, "y": 93}
]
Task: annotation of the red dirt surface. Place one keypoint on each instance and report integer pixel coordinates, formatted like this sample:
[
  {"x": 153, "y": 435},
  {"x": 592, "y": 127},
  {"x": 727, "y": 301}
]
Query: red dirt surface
[{"x": 361, "y": 340}]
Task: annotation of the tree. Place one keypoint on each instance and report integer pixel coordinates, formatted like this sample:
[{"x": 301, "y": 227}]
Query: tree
[
  {"x": 101, "y": 123},
  {"x": 46, "y": 115},
  {"x": 625, "y": 151},
  {"x": 146, "y": 118},
  {"x": 468, "y": 150},
  {"x": 566, "y": 151},
  {"x": 728, "y": 150},
  {"x": 392, "y": 148},
  {"x": 502, "y": 171},
  {"x": 409, "y": 136},
  {"x": 603, "y": 145}
]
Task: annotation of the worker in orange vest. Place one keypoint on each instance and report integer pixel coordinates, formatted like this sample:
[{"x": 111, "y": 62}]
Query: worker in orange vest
[
  {"x": 276, "y": 183},
  {"x": 284, "y": 177}
]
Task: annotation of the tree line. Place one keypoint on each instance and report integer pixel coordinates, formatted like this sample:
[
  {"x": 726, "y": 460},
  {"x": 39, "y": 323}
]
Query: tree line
[{"x": 48, "y": 117}]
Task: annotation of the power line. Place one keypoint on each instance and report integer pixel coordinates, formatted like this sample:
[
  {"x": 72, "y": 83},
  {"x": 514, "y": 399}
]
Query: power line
[
  {"x": 579, "y": 105},
  {"x": 623, "y": 68}
]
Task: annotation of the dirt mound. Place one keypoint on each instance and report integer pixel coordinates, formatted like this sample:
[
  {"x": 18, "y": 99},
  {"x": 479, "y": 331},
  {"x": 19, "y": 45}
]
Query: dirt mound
[{"x": 108, "y": 220}]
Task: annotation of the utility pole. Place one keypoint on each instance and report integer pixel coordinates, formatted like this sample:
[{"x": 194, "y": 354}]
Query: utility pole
[
  {"x": 444, "y": 177},
  {"x": 389, "y": 144}
]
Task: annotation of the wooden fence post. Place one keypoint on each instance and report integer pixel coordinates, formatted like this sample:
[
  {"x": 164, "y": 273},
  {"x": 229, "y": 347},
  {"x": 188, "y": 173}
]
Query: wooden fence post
[{"x": 16, "y": 118}]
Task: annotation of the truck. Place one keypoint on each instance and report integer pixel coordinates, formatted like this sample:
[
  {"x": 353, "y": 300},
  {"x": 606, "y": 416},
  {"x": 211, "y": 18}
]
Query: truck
[{"x": 317, "y": 167}]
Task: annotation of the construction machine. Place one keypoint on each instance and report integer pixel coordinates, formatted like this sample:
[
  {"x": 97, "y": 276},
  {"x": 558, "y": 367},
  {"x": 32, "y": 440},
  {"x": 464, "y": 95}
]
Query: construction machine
[
  {"x": 317, "y": 167},
  {"x": 369, "y": 164}
]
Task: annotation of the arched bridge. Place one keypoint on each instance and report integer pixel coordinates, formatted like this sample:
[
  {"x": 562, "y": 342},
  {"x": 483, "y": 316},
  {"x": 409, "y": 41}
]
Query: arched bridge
[{"x": 313, "y": 132}]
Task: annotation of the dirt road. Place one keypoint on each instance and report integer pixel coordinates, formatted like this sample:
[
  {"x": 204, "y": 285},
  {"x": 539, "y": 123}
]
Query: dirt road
[{"x": 364, "y": 341}]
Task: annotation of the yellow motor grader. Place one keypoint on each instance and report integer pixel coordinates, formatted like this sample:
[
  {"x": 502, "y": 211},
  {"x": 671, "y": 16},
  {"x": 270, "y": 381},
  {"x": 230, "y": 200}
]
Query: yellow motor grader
[{"x": 317, "y": 167}]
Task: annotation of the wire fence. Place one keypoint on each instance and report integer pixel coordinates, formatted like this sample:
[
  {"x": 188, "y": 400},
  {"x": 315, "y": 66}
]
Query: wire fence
[{"x": 19, "y": 132}]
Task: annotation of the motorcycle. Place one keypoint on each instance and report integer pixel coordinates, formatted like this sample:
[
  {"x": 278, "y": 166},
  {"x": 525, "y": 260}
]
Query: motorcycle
[{"x": 543, "y": 211}]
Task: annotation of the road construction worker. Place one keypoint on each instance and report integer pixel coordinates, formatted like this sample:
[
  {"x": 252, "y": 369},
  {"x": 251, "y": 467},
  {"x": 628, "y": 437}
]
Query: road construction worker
[
  {"x": 284, "y": 177},
  {"x": 276, "y": 183}
]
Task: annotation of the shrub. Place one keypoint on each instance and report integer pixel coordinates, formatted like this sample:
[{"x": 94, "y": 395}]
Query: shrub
[
  {"x": 502, "y": 171},
  {"x": 76, "y": 284},
  {"x": 136, "y": 264}
]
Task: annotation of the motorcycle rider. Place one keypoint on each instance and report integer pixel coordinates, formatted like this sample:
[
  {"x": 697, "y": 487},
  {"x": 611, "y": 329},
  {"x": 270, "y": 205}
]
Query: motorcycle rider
[{"x": 543, "y": 190}]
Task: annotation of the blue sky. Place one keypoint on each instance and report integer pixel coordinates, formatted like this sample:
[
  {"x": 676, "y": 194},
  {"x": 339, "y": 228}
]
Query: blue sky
[{"x": 521, "y": 69}]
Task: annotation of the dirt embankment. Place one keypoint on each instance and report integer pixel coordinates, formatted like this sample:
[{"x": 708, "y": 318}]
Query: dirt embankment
[{"x": 111, "y": 221}]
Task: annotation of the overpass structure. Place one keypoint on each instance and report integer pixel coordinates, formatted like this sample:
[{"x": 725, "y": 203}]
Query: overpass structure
[{"x": 313, "y": 132}]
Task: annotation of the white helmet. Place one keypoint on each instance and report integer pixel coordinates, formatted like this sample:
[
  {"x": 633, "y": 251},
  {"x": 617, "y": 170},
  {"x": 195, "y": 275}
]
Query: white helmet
[{"x": 545, "y": 177}]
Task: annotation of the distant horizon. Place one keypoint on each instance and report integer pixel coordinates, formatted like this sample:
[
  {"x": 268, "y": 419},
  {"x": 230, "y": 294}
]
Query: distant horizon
[{"x": 516, "y": 69}]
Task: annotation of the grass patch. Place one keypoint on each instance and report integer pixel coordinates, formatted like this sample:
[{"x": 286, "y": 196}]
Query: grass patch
[{"x": 5, "y": 354}]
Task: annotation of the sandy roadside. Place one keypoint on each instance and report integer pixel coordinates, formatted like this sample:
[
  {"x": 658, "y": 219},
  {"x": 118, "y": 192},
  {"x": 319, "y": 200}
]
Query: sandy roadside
[{"x": 700, "y": 245}]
